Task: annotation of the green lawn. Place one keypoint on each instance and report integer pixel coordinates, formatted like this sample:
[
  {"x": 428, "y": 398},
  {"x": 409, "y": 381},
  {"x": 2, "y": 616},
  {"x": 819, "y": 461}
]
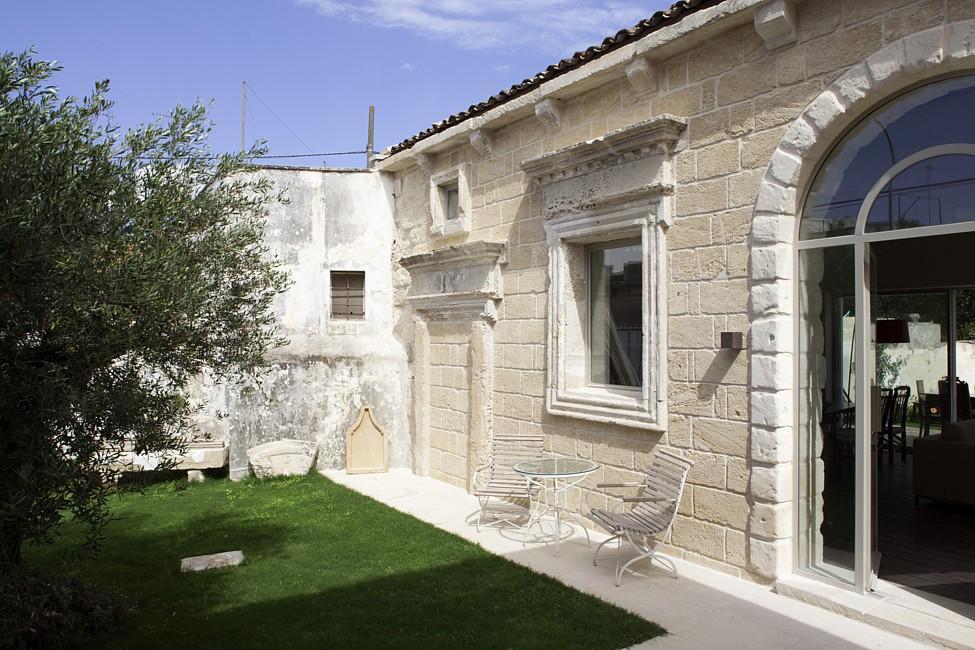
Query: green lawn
[{"x": 326, "y": 567}]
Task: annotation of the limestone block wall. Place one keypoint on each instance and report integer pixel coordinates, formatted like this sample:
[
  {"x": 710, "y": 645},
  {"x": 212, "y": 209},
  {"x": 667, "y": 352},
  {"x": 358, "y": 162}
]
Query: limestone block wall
[
  {"x": 739, "y": 99},
  {"x": 449, "y": 402}
]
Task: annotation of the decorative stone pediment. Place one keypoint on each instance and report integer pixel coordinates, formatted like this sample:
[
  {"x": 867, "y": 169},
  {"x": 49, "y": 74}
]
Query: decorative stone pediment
[
  {"x": 457, "y": 282},
  {"x": 635, "y": 160}
]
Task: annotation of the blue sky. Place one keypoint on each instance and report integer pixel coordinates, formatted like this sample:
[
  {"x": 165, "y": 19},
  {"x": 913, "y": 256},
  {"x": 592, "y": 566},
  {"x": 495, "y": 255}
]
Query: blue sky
[{"x": 317, "y": 64}]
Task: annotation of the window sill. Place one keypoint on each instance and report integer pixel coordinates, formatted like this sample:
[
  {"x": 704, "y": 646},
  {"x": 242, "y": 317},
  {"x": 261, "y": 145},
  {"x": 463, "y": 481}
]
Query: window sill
[
  {"x": 453, "y": 227},
  {"x": 615, "y": 405},
  {"x": 346, "y": 326}
]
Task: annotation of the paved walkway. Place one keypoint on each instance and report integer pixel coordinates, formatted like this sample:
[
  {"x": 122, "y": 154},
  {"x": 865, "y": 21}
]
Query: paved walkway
[{"x": 703, "y": 609}]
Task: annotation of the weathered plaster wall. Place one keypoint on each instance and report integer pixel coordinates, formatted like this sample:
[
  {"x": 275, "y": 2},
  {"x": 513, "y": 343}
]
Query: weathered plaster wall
[
  {"x": 739, "y": 99},
  {"x": 316, "y": 385}
]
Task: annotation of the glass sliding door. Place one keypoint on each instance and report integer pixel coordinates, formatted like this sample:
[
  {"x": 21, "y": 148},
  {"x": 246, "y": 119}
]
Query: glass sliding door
[
  {"x": 885, "y": 332},
  {"x": 827, "y": 411}
]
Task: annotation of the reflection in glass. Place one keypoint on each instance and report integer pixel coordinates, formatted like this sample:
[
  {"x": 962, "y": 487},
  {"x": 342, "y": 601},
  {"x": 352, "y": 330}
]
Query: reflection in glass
[
  {"x": 616, "y": 315},
  {"x": 827, "y": 411},
  {"x": 879, "y": 141},
  {"x": 933, "y": 192},
  {"x": 452, "y": 202},
  {"x": 964, "y": 353}
]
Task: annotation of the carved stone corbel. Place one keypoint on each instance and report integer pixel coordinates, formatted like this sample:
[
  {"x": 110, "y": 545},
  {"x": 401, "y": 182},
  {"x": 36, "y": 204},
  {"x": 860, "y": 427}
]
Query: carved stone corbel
[
  {"x": 482, "y": 142},
  {"x": 641, "y": 75},
  {"x": 425, "y": 161},
  {"x": 549, "y": 113},
  {"x": 775, "y": 22}
]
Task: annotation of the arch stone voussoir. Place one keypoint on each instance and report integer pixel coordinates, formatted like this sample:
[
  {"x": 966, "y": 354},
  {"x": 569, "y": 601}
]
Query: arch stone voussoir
[
  {"x": 854, "y": 85},
  {"x": 800, "y": 137},
  {"x": 960, "y": 43},
  {"x": 784, "y": 168},
  {"x": 862, "y": 86},
  {"x": 824, "y": 110}
]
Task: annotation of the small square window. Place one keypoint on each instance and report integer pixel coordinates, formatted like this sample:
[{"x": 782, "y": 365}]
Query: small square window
[
  {"x": 348, "y": 294},
  {"x": 616, "y": 314},
  {"x": 451, "y": 201}
]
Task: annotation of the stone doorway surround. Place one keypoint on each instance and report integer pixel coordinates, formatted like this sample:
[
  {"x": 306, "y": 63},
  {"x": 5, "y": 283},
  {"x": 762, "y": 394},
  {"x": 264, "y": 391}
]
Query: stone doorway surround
[
  {"x": 454, "y": 292},
  {"x": 919, "y": 57}
]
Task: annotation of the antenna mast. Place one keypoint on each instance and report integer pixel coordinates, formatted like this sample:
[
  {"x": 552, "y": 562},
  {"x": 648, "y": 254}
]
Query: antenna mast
[
  {"x": 371, "y": 139},
  {"x": 243, "y": 112}
]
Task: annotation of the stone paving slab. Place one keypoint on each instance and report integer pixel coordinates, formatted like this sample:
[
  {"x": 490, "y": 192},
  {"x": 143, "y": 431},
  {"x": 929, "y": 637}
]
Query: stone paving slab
[
  {"x": 212, "y": 561},
  {"x": 701, "y": 609}
]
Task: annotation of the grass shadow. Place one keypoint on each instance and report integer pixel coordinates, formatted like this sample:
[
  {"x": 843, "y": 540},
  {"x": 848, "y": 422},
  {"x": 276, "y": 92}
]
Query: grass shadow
[{"x": 325, "y": 567}]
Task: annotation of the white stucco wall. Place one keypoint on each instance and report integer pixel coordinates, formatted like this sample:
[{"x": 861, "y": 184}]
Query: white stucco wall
[{"x": 330, "y": 369}]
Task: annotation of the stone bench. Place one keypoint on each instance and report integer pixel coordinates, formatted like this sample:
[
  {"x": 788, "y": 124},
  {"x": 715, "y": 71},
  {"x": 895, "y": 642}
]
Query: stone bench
[{"x": 199, "y": 455}]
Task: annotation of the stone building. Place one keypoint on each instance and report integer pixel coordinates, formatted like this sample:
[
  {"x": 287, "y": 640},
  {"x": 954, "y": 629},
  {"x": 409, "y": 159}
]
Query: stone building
[{"x": 575, "y": 255}]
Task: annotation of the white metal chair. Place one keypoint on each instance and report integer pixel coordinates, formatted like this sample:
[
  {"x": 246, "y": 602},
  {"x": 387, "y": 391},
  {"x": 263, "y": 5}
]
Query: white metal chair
[
  {"x": 497, "y": 480},
  {"x": 656, "y": 508}
]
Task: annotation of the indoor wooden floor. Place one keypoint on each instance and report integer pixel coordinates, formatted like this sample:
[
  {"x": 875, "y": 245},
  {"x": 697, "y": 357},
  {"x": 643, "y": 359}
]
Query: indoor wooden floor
[{"x": 930, "y": 547}]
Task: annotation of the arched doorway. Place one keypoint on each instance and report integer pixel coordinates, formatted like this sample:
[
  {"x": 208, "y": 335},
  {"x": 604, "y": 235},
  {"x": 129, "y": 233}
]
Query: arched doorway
[{"x": 885, "y": 257}]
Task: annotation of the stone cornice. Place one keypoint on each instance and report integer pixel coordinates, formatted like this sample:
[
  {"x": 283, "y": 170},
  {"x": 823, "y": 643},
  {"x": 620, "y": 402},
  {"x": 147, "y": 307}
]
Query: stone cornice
[
  {"x": 450, "y": 257},
  {"x": 457, "y": 283},
  {"x": 654, "y": 136},
  {"x": 456, "y": 308}
]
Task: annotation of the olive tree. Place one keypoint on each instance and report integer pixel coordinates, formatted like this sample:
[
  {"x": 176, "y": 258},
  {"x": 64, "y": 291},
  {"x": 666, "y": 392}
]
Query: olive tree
[{"x": 129, "y": 263}]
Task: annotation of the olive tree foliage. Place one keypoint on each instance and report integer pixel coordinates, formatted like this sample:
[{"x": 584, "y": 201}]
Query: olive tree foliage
[{"x": 129, "y": 263}]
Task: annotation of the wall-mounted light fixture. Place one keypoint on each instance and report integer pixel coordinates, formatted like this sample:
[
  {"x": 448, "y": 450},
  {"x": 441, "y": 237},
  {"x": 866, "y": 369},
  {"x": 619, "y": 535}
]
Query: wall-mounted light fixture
[{"x": 732, "y": 341}]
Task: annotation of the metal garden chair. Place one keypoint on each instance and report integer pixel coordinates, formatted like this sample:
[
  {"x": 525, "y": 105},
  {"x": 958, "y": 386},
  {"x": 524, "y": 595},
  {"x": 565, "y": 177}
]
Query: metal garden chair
[
  {"x": 653, "y": 513},
  {"x": 497, "y": 480}
]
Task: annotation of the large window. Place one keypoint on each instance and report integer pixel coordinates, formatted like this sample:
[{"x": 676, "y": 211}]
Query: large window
[
  {"x": 932, "y": 192},
  {"x": 616, "y": 314},
  {"x": 606, "y": 208},
  {"x": 608, "y": 327}
]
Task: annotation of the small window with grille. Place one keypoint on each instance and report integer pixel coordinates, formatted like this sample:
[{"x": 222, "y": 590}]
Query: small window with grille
[{"x": 348, "y": 294}]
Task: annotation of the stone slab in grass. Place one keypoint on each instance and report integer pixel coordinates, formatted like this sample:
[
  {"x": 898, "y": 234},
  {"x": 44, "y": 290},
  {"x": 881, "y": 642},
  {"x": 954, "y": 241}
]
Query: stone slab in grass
[{"x": 212, "y": 561}]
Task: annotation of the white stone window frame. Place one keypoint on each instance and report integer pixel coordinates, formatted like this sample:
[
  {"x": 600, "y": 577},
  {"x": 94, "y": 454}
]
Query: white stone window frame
[
  {"x": 569, "y": 392},
  {"x": 440, "y": 225}
]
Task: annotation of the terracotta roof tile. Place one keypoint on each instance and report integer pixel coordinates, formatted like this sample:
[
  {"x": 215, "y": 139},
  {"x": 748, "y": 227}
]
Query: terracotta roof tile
[{"x": 659, "y": 20}]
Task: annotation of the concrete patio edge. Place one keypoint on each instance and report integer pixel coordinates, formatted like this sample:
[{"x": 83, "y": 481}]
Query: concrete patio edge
[{"x": 702, "y": 609}]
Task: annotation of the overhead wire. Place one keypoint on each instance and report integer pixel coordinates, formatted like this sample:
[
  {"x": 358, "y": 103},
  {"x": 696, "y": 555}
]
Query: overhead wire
[
  {"x": 251, "y": 91},
  {"x": 267, "y": 157},
  {"x": 252, "y": 129}
]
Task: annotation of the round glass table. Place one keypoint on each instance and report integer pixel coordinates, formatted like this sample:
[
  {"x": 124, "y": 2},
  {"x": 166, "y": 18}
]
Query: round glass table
[{"x": 554, "y": 476}]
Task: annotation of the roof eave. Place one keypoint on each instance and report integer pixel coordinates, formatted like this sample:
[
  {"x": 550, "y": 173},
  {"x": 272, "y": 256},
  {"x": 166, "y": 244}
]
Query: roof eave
[{"x": 659, "y": 45}]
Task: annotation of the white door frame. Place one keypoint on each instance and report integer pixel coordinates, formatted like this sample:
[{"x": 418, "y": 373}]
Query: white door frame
[{"x": 864, "y": 345}]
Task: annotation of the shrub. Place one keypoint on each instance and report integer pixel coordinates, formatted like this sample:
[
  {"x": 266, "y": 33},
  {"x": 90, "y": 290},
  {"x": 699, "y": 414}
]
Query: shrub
[{"x": 37, "y": 611}]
